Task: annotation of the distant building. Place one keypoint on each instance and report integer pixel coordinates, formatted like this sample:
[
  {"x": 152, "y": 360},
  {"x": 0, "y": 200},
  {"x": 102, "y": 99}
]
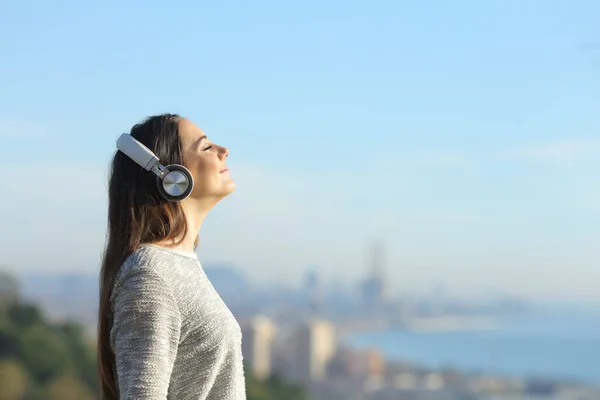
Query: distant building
[
  {"x": 257, "y": 337},
  {"x": 357, "y": 365},
  {"x": 312, "y": 291},
  {"x": 374, "y": 289},
  {"x": 315, "y": 345},
  {"x": 375, "y": 363}
]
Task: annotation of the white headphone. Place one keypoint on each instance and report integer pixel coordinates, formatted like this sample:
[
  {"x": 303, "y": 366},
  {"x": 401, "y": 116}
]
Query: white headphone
[{"x": 175, "y": 182}]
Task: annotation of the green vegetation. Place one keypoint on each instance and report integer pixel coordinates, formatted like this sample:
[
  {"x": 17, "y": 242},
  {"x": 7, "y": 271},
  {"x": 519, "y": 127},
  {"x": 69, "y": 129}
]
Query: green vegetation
[
  {"x": 39, "y": 359},
  {"x": 272, "y": 388},
  {"x": 44, "y": 360}
]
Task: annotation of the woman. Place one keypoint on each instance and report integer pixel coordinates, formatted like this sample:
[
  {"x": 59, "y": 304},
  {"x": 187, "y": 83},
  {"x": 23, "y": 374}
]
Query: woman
[{"x": 163, "y": 331}]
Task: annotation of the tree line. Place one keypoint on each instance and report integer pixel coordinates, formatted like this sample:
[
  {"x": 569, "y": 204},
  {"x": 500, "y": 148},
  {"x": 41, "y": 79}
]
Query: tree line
[{"x": 41, "y": 359}]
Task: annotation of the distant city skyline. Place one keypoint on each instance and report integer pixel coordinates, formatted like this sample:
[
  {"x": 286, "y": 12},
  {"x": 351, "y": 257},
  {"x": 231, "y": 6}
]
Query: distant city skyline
[{"x": 465, "y": 135}]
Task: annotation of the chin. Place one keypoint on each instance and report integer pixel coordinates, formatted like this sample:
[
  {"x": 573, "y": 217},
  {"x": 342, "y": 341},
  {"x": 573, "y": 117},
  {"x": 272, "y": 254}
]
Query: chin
[
  {"x": 228, "y": 189},
  {"x": 214, "y": 195}
]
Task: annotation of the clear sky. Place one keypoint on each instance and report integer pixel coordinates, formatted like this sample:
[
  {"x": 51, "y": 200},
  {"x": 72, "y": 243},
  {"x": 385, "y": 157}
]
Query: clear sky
[{"x": 464, "y": 133}]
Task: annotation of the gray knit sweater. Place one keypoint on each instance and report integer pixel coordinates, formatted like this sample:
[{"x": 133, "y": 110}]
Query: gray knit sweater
[{"x": 172, "y": 335}]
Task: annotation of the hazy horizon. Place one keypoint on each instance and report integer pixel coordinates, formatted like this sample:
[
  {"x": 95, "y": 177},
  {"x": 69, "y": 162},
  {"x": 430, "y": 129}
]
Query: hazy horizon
[{"x": 465, "y": 135}]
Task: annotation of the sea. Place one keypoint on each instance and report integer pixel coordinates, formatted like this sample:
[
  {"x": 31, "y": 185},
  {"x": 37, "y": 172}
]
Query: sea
[{"x": 547, "y": 343}]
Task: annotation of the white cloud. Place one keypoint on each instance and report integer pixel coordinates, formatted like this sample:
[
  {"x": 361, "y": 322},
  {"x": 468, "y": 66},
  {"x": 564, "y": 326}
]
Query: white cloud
[
  {"x": 447, "y": 216},
  {"x": 560, "y": 151},
  {"x": 442, "y": 159},
  {"x": 428, "y": 159},
  {"x": 21, "y": 129}
]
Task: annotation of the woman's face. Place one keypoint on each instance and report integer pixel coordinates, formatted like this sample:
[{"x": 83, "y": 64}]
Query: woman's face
[{"x": 206, "y": 162}]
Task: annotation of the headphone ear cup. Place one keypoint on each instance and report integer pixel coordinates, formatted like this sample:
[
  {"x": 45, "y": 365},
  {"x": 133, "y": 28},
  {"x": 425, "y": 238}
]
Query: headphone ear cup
[{"x": 177, "y": 184}]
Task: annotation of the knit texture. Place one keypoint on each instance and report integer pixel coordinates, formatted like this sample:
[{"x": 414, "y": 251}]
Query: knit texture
[{"x": 172, "y": 335}]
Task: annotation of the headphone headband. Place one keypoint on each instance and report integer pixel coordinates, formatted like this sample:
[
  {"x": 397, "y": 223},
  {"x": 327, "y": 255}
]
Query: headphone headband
[
  {"x": 174, "y": 181},
  {"x": 135, "y": 150}
]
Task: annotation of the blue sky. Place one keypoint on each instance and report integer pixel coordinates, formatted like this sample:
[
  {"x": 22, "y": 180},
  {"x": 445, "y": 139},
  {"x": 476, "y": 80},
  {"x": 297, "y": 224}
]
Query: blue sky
[{"x": 464, "y": 133}]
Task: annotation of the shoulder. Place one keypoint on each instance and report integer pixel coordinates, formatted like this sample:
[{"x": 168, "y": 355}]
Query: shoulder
[{"x": 147, "y": 268}]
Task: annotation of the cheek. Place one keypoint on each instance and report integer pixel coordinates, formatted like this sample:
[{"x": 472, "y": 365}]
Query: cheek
[
  {"x": 203, "y": 170},
  {"x": 196, "y": 165}
]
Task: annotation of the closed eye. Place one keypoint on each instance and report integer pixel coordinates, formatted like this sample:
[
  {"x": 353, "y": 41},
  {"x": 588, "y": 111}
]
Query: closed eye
[{"x": 207, "y": 148}]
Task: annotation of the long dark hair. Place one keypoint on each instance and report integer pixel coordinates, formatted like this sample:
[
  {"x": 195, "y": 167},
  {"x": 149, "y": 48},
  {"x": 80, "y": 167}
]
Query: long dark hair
[{"x": 136, "y": 214}]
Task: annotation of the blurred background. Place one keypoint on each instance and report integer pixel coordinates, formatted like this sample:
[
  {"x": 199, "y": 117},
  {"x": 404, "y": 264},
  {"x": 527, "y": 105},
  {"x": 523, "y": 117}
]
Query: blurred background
[{"x": 418, "y": 188}]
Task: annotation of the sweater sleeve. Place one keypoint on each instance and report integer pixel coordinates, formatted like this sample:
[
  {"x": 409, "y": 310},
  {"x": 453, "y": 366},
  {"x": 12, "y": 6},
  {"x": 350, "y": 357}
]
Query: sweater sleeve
[{"x": 145, "y": 334}]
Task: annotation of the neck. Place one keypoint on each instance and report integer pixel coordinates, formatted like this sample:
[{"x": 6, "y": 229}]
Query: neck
[{"x": 194, "y": 215}]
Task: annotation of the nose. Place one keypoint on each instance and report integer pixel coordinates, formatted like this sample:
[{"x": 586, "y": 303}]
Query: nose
[{"x": 223, "y": 153}]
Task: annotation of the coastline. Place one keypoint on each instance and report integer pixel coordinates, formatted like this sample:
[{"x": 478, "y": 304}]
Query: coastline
[
  {"x": 449, "y": 324},
  {"x": 421, "y": 325},
  {"x": 514, "y": 347}
]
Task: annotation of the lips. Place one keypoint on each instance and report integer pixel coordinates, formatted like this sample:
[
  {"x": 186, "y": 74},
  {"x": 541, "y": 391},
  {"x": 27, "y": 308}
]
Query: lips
[{"x": 223, "y": 170}]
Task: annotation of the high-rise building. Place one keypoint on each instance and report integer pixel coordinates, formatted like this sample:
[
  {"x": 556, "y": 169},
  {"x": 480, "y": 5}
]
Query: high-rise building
[
  {"x": 315, "y": 345},
  {"x": 374, "y": 288},
  {"x": 257, "y": 337},
  {"x": 312, "y": 291}
]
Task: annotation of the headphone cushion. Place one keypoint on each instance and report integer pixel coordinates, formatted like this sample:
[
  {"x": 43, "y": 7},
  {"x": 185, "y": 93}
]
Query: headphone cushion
[{"x": 183, "y": 186}]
